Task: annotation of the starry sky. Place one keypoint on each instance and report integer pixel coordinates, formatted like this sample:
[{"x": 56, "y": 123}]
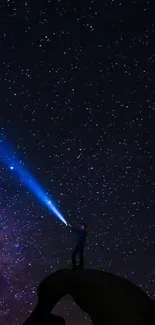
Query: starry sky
[{"x": 78, "y": 106}]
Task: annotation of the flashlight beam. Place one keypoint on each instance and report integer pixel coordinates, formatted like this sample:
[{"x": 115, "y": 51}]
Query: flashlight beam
[{"x": 25, "y": 176}]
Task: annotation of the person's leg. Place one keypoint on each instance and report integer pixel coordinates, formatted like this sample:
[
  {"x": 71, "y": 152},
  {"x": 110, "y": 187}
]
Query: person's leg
[
  {"x": 81, "y": 257},
  {"x": 74, "y": 254}
]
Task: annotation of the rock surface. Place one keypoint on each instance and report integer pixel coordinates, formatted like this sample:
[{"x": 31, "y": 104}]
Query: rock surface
[{"x": 107, "y": 298}]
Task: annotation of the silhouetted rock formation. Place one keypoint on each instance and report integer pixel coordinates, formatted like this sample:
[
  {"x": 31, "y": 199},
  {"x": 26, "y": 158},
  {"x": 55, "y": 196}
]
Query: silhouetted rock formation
[{"x": 108, "y": 299}]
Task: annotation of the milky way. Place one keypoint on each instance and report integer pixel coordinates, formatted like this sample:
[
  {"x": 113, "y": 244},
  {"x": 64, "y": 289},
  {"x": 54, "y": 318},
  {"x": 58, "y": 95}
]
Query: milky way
[{"x": 78, "y": 104}]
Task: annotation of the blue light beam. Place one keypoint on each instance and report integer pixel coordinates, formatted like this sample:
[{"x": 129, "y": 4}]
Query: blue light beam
[{"x": 15, "y": 165}]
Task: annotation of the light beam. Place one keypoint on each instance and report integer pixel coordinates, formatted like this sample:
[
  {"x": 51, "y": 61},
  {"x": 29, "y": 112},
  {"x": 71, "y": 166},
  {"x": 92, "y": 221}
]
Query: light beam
[{"x": 15, "y": 165}]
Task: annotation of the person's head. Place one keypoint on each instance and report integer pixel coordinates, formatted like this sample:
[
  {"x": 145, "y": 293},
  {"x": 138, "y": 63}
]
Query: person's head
[{"x": 83, "y": 226}]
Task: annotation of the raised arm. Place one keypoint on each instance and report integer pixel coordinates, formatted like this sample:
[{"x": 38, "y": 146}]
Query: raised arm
[{"x": 73, "y": 229}]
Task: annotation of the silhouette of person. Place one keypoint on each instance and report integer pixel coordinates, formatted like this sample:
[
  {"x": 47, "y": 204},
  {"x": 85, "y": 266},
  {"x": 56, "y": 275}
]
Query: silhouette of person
[{"x": 79, "y": 249}]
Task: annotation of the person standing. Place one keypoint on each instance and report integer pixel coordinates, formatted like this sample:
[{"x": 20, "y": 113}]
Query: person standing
[{"x": 81, "y": 233}]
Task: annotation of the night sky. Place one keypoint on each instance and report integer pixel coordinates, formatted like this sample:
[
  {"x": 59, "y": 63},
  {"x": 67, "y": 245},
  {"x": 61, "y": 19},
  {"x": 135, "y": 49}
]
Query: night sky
[{"x": 77, "y": 104}]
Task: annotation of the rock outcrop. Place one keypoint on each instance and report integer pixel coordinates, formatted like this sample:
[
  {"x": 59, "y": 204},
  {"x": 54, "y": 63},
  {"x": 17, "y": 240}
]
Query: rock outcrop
[{"x": 107, "y": 298}]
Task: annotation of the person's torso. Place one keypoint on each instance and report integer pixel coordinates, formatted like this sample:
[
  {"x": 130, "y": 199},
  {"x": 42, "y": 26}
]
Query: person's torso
[{"x": 82, "y": 237}]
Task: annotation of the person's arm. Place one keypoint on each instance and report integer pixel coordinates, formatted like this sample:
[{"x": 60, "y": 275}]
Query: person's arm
[
  {"x": 73, "y": 229},
  {"x": 69, "y": 225}
]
